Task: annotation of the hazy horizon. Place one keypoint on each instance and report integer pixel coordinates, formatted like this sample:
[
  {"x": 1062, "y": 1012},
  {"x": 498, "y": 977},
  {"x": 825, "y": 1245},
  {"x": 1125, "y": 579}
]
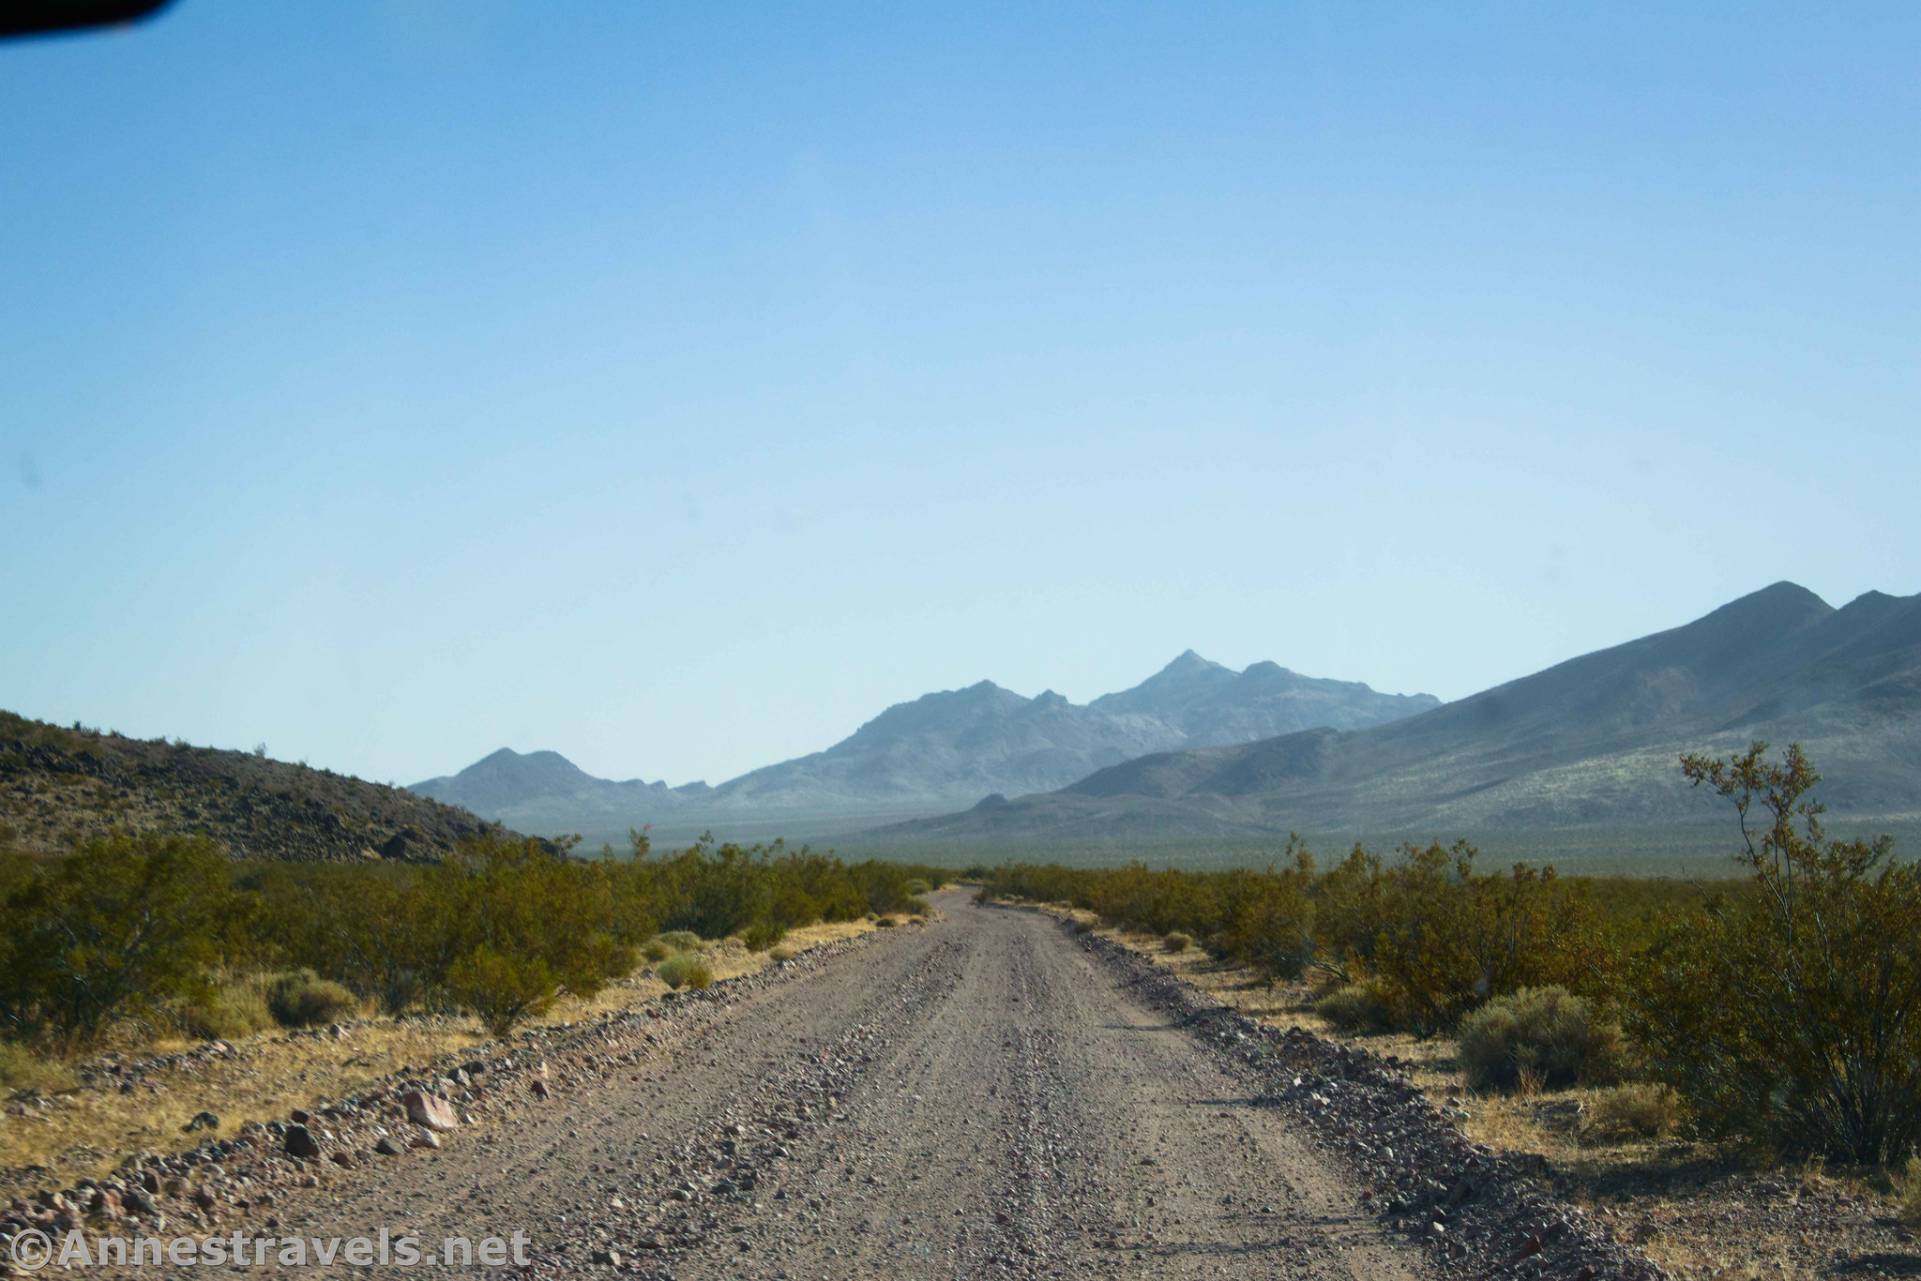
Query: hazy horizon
[{"x": 676, "y": 389}]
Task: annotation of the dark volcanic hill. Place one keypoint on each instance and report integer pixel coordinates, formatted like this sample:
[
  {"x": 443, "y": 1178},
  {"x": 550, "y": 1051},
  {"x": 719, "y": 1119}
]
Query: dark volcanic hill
[
  {"x": 1589, "y": 741},
  {"x": 60, "y": 786},
  {"x": 938, "y": 751}
]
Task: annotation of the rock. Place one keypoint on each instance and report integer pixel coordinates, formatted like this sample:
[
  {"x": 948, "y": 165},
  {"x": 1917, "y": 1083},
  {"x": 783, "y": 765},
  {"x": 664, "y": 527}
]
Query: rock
[
  {"x": 428, "y": 1110},
  {"x": 201, "y": 1121},
  {"x": 387, "y": 1146},
  {"x": 610, "y": 1257},
  {"x": 426, "y": 1139},
  {"x": 539, "y": 1088},
  {"x": 299, "y": 1141}
]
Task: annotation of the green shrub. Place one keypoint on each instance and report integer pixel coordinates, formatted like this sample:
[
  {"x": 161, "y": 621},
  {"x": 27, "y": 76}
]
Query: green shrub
[
  {"x": 302, "y": 1000},
  {"x": 1789, "y": 1012},
  {"x": 679, "y": 941},
  {"x": 501, "y": 989},
  {"x": 119, "y": 931},
  {"x": 655, "y": 949},
  {"x": 760, "y": 937},
  {"x": 781, "y": 955},
  {"x": 684, "y": 969},
  {"x": 1538, "y": 1036},
  {"x": 1634, "y": 1110},
  {"x": 1354, "y": 1008},
  {"x": 1177, "y": 942},
  {"x": 886, "y": 923}
]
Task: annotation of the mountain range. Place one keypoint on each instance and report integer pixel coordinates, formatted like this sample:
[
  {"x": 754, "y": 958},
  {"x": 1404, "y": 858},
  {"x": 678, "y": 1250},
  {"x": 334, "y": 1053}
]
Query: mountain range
[
  {"x": 1590, "y": 741},
  {"x": 936, "y": 752}
]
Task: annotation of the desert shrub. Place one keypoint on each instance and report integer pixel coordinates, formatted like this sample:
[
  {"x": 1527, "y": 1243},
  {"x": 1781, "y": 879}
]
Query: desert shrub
[
  {"x": 1538, "y": 1035},
  {"x": 1632, "y": 1110},
  {"x": 532, "y": 926},
  {"x": 655, "y": 950},
  {"x": 886, "y": 923},
  {"x": 762, "y": 935},
  {"x": 301, "y": 999},
  {"x": 781, "y": 955},
  {"x": 1177, "y": 942},
  {"x": 1354, "y": 1007},
  {"x": 22, "y": 1069},
  {"x": 1083, "y": 927},
  {"x": 501, "y": 989},
  {"x": 119, "y": 931},
  {"x": 1789, "y": 1013},
  {"x": 226, "y": 1011},
  {"x": 679, "y": 941},
  {"x": 915, "y": 885},
  {"x": 1449, "y": 939},
  {"x": 1264, "y": 920},
  {"x": 684, "y": 969}
]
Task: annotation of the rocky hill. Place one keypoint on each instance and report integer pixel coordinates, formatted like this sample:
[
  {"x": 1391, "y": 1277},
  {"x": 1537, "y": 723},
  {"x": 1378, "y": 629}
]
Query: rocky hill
[
  {"x": 60, "y": 786},
  {"x": 936, "y": 751},
  {"x": 1590, "y": 741}
]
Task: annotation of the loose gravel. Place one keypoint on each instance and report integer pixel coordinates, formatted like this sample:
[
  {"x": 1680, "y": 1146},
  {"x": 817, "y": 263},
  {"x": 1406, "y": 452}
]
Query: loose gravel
[{"x": 991, "y": 1096}]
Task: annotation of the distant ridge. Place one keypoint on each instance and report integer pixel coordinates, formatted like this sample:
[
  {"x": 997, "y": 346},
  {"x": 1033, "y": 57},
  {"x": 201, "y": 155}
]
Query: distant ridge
[
  {"x": 506, "y": 781},
  {"x": 938, "y": 751},
  {"x": 1592, "y": 740}
]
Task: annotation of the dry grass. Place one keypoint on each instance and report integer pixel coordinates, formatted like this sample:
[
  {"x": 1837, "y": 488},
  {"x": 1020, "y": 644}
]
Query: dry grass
[
  {"x": 1692, "y": 1206},
  {"x": 1907, "y": 1191},
  {"x": 88, "y": 1132}
]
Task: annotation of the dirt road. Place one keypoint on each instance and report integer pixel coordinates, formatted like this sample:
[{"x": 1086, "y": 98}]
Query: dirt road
[{"x": 976, "y": 1098}]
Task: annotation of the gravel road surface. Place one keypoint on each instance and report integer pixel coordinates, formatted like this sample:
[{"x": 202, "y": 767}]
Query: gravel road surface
[{"x": 981, "y": 1097}]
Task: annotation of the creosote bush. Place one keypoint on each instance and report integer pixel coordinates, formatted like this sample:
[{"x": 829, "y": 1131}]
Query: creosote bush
[
  {"x": 117, "y": 932},
  {"x": 136, "y": 934},
  {"x": 1539, "y": 1036},
  {"x": 1177, "y": 942},
  {"x": 1355, "y": 1008},
  {"x": 1790, "y": 1015},
  {"x": 1784, "y": 1010}
]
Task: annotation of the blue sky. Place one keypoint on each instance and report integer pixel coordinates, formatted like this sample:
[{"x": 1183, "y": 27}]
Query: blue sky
[{"x": 678, "y": 385}]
